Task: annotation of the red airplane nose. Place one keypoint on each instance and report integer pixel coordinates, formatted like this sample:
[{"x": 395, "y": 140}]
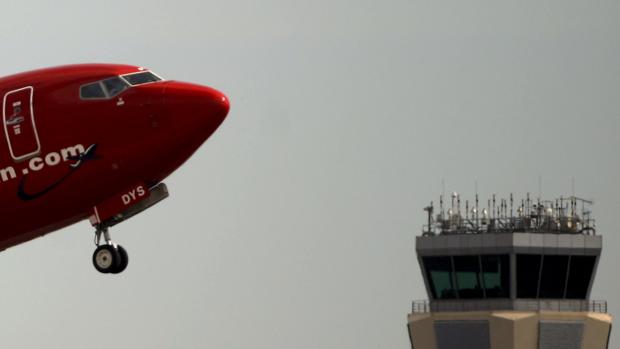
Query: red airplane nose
[
  {"x": 196, "y": 111},
  {"x": 221, "y": 105},
  {"x": 224, "y": 105},
  {"x": 214, "y": 106}
]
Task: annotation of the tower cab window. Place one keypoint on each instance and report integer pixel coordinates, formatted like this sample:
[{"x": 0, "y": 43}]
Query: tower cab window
[{"x": 468, "y": 277}]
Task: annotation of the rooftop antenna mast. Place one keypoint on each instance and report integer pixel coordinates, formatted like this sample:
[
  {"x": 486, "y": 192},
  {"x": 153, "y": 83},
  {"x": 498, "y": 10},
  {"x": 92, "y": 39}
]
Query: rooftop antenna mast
[
  {"x": 443, "y": 195},
  {"x": 467, "y": 209},
  {"x": 511, "y": 210},
  {"x": 476, "y": 212},
  {"x": 527, "y": 204},
  {"x": 441, "y": 207},
  {"x": 539, "y": 188},
  {"x": 500, "y": 208},
  {"x": 429, "y": 227},
  {"x": 452, "y": 209}
]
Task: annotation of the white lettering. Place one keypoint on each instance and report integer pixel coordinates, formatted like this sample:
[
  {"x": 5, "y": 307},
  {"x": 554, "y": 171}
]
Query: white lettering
[
  {"x": 39, "y": 163},
  {"x": 7, "y": 173},
  {"x": 71, "y": 152},
  {"x": 141, "y": 191},
  {"x": 36, "y": 164},
  {"x": 52, "y": 159},
  {"x": 126, "y": 199}
]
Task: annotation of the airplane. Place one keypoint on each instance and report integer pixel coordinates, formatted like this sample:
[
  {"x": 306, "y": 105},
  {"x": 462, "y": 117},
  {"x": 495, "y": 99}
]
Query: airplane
[{"x": 94, "y": 141}]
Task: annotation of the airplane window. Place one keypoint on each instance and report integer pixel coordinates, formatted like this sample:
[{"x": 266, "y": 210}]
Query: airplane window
[
  {"x": 92, "y": 91},
  {"x": 114, "y": 86},
  {"x": 141, "y": 78}
]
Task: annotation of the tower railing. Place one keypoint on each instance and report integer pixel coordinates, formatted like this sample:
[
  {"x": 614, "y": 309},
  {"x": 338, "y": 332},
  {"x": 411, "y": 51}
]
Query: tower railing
[{"x": 562, "y": 305}]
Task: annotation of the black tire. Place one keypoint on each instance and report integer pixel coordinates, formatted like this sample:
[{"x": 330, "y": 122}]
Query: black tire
[
  {"x": 124, "y": 260},
  {"x": 106, "y": 259}
]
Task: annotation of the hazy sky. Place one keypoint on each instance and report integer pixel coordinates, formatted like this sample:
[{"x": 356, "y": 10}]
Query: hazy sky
[{"x": 293, "y": 227}]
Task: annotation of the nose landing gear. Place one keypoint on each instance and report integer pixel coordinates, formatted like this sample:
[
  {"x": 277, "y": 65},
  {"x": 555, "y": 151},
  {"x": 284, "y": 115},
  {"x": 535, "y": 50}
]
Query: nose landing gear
[{"x": 109, "y": 257}]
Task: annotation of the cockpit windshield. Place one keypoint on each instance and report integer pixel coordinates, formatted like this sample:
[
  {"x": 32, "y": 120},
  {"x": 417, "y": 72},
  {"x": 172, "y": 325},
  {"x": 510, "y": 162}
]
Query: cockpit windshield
[
  {"x": 103, "y": 89},
  {"x": 114, "y": 86},
  {"x": 108, "y": 88},
  {"x": 92, "y": 91},
  {"x": 141, "y": 78}
]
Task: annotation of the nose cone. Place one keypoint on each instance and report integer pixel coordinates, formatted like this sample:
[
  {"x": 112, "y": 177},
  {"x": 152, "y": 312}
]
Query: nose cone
[
  {"x": 224, "y": 105},
  {"x": 215, "y": 104},
  {"x": 196, "y": 111}
]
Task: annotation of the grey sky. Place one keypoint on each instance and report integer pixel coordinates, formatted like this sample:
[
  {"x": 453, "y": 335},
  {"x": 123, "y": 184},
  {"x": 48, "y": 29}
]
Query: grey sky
[{"x": 293, "y": 226}]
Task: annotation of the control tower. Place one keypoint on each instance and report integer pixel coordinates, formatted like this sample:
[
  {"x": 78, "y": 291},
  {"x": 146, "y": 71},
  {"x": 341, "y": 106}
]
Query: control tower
[{"x": 509, "y": 275}]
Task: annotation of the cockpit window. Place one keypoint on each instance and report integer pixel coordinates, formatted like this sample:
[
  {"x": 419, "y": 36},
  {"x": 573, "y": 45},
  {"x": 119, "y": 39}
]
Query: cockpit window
[
  {"x": 141, "y": 78},
  {"x": 92, "y": 91},
  {"x": 103, "y": 89},
  {"x": 108, "y": 88},
  {"x": 114, "y": 86}
]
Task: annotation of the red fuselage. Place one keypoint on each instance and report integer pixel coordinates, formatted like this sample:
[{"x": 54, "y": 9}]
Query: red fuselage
[{"x": 73, "y": 137}]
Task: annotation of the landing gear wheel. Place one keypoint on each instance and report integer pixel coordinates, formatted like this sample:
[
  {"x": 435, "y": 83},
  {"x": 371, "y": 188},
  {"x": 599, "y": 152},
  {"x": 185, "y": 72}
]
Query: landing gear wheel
[
  {"x": 124, "y": 260},
  {"x": 106, "y": 259}
]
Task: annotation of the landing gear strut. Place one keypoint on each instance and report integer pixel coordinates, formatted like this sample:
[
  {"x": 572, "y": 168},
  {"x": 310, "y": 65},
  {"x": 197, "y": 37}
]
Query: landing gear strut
[{"x": 109, "y": 257}]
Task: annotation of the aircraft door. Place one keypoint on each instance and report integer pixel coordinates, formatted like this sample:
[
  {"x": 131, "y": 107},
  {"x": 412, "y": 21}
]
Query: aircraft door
[{"x": 19, "y": 124}]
